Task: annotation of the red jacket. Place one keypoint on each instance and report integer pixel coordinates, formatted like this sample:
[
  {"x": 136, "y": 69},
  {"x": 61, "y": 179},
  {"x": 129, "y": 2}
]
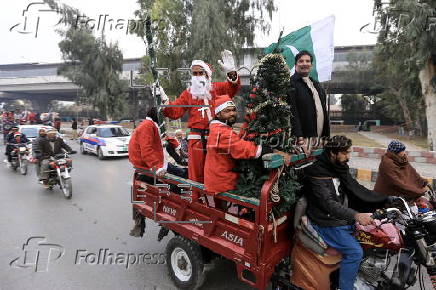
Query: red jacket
[
  {"x": 196, "y": 120},
  {"x": 145, "y": 147},
  {"x": 224, "y": 146}
]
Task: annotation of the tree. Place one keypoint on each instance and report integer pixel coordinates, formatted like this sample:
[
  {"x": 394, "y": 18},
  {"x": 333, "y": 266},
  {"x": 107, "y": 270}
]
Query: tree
[
  {"x": 406, "y": 52},
  {"x": 353, "y": 108},
  {"x": 92, "y": 64},
  {"x": 96, "y": 68},
  {"x": 268, "y": 124},
  {"x": 201, "y": 29}
]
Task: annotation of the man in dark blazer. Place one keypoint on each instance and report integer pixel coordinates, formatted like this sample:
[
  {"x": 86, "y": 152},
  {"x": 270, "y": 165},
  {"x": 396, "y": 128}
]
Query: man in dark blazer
[{"x": 308, "y": 101}]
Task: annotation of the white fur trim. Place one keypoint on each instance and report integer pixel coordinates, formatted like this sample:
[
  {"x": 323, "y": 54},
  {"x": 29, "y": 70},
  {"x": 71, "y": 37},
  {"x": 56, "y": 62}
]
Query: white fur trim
[
  {"x": 195, "y": 137},
  {"x": 203, "y": 65},
  {"x": 223, "y": 106}
]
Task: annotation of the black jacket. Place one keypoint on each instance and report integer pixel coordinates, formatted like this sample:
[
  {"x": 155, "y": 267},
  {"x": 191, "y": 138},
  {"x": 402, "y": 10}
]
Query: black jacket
[
  {"x": 47, "y": 151},
  {"x": 303, "y": 108},
  {"x": 36, "y": 152},
  {"x": 330, "y": 208}
]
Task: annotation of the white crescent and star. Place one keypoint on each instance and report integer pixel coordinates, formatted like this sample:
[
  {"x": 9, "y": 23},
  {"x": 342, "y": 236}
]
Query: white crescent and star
[{"x": 294, "y": 52}]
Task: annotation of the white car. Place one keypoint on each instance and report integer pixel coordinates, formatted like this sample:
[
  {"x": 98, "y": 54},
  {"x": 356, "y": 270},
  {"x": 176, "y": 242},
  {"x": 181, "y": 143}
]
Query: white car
[
  {"x": 105, "y": 141},
  {"x": 31, "y": 131}
]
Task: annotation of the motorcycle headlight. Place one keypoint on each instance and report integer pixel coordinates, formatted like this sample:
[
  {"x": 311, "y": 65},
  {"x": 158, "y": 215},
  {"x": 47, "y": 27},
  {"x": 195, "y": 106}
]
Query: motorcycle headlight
[{"x": 23, "y": 149}]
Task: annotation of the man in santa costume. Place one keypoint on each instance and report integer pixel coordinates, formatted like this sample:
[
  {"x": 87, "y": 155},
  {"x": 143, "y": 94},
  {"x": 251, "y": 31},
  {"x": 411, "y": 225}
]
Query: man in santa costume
[
  {"x": 199, "y": 101},
  {"x": 224, "y": 146},
  {"x": 146, "y": 151}
]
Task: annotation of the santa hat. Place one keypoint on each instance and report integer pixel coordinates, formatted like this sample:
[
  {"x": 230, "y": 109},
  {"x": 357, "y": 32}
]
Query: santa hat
[
  {"x": 17, "y": 134},
  {"x": 204, "y": 66},
  {"x": 223, "y": 102}
]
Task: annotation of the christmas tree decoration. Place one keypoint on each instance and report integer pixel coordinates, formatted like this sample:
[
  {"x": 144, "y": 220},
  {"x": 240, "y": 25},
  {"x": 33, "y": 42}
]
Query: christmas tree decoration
[{"x": 268, "y": 123}]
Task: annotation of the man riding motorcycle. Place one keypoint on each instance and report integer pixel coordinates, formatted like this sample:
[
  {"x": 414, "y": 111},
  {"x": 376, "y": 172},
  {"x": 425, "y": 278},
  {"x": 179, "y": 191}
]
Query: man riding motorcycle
[
  {"x": 397, "y": 177},
  {"x": 50, "y": 147},
  {"x": 17, "y": 138},
  {"x": 335, "y": 201},
  {"x": 36, "y": 152}
]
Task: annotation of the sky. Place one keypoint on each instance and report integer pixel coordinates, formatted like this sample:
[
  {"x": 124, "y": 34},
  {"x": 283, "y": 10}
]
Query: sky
[{"x": 29, "y": 44}]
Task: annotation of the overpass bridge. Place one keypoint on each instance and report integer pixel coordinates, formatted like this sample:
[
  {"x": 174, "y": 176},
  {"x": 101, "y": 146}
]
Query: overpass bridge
[{"x": 40, "y": 83}]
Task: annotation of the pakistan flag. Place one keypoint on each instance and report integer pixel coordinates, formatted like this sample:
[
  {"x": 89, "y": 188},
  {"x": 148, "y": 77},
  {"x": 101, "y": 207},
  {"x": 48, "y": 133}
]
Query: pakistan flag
[{"x": 316, "y": 39}]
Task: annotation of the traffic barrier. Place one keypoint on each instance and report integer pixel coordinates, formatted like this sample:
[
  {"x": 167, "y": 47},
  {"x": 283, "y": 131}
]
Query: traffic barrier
[{"x": 377, "y": 153}]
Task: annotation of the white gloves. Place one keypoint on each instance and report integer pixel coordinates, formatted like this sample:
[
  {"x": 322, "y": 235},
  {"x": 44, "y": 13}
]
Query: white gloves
[
  {"x": 227, "y": 63},
  {"x": 161, "y": 172},
  {"x": 160, "y": 91}
]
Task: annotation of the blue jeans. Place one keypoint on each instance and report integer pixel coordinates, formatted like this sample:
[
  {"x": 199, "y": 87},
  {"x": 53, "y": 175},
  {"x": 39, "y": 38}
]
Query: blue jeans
[{"x": 341, "y": 239}]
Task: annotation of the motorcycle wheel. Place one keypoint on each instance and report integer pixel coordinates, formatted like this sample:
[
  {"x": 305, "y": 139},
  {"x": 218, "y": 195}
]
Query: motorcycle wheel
[
  {"x": 23, "y": 167},
  {"x": 67, "y": 187}
]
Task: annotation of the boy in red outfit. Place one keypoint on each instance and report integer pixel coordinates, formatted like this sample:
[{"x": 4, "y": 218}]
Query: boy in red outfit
[{"x": 224, "y": 146}]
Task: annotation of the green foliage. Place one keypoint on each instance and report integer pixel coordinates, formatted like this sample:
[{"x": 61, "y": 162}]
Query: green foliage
[
  {"x": 95, "y": 67},
  {"x": 186, "y": 30},
  {"x": 91, "y": 64},
  {"x": 405, "y": 44},
  {"x": 353, "y": 107},
  {"x": 268, "y": 118},
  {"x": 407, "y": 28}
]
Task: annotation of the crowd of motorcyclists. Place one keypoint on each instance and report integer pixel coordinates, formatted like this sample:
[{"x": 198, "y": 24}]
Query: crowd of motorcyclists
[{"x": 47, "y": 145}]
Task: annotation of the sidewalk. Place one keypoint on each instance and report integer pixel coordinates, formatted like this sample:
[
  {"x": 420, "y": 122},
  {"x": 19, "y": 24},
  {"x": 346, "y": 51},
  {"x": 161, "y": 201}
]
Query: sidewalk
[{"x": 383, "y": 140}]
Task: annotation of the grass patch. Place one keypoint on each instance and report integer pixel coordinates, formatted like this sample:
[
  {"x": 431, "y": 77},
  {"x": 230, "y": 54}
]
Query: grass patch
[{"x": 359, "y": 140}]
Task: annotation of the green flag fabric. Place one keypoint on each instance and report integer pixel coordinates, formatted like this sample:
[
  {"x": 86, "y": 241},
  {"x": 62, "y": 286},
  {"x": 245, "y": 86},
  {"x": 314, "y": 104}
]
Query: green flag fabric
[{"x": 316, "y": 39}]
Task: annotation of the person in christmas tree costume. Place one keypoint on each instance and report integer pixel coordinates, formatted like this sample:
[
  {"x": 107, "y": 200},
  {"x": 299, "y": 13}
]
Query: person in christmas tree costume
[
  {"x": 268, "y": 122},
  {"x": 224, "y": 147},
  {"x": 202, "y": 92}
]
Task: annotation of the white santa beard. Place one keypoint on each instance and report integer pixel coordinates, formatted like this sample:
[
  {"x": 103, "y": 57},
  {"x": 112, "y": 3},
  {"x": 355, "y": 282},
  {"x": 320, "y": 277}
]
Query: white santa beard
[{"x": 200, "y": 87}]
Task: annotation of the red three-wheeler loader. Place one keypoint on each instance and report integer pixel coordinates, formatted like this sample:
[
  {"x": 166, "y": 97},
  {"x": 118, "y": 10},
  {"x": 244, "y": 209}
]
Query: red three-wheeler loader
[{"x": 259, "y": 245}]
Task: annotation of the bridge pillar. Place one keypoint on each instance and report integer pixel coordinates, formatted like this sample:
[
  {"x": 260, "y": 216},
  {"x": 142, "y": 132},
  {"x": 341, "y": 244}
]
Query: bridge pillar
[{"x": 40, "y": 105}]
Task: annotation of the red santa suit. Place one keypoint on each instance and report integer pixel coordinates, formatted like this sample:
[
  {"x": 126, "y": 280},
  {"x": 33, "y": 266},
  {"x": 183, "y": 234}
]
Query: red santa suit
[
  {"x": 173, "y": 142},
  {"x": 145, "y": 147},
  {"x": 199, "y": 118},
  {"x": 224, "y": 146}
]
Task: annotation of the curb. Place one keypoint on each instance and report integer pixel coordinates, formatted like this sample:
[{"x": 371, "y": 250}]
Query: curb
[
  {"x": 371, "y": 176},
  {"x": 377, "y": 153}
]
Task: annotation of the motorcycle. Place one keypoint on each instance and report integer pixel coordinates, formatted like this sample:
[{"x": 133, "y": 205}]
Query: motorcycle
[
  {"x": 60, "y": 167},
  {"x": 395, "y": 250},
  {"x": 19, "y": 157}
]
